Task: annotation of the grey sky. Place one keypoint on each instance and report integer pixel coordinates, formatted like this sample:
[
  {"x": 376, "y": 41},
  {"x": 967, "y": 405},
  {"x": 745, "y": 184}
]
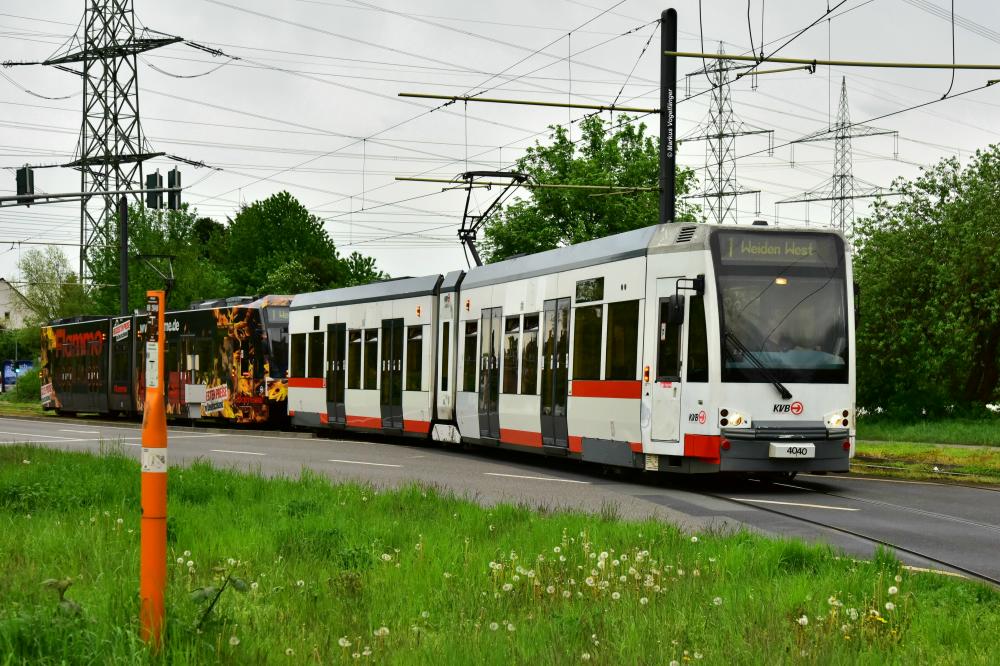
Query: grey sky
[{"x": 346, "y": 61}]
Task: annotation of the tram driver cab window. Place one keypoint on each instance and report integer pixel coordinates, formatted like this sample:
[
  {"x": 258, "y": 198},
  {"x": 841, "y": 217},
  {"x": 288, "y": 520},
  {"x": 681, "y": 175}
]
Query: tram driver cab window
[{"x": 668, "y": 337}]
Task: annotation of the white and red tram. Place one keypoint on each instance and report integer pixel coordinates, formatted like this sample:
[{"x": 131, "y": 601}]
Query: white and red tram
[{"x": 685, "y": 348}]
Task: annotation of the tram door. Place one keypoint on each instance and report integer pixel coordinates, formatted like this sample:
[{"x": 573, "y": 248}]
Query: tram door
[
  {"x": 666, "y": 388},
  {"x": 555, "y": 372},
  {"x": 336, "y": 352},
  {"x": 489, "y": 373},
  {"x": 392, "y": 374}
]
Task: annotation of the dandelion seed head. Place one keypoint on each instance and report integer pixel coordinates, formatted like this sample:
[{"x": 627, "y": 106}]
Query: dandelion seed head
[
  {"x": 893, "y": 590},
  {"x": 300, "y": 583},
  {"x": 511, "y": 627},
  {"x": 889, "y": 606},
  {"x": 425, "y": 614},
  {"x": 494, "y": 626},
  {"x": 231, "y": 562},
  {"x": 585, "y": 656},
  {"x": 694, "y": 539},
  {"x": 616, "y": 595},
  {"x": 289, "y": 652},
  {"x": 567, "y": 594},
  {"x": 507, "y": 587},
  {"x": 367, "y": 651},
  {"x": 381, "y": 631},
  {"x": 803, "y": 621},
  {"x": 643, "y": 601},
  {"x": 717, "y": 601},
  {"x": 386, "y": 557},
  {"x": 343, "y": 642},
  {"x": 254, "y": 585},
  {"x": 234, "y": 641},
  {"x": 180, "y": 560},
  {"x": 119, "y": 521},
  {"x": 899, "y": 579}
]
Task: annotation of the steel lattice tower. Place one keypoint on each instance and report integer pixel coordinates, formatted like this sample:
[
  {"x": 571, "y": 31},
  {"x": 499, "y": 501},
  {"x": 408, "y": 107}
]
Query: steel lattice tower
[
  {"x": 110, "y": 151},
  {"x": 843, "y": 187},
  {"x": 842, "y": 213},
  {"x": 719, "y": 130}
]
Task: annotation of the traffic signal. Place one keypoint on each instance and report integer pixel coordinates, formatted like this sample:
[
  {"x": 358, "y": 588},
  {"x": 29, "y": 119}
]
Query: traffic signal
[
  {"x": 154, "y": 181},
  {"x": 25, "y": 185},
  {"x": 174, "y": 185}
]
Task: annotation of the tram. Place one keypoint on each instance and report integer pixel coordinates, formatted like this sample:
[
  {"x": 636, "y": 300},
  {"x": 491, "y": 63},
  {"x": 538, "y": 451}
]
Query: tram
[
  {"x": 671, "y": 348},
  {"x": 224, "y": 361}
]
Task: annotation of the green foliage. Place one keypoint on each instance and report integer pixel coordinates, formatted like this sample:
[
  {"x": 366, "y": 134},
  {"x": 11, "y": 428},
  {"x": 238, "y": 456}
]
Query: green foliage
[
  {"x": 179, "y": 233},
  {"x": 28, "y": 387},
  {"x": 929, "y": 271},
  {"x": 20, "y": 343},
  {"x": 52, "y": 290},
  {"x": 621, "y": 156}
]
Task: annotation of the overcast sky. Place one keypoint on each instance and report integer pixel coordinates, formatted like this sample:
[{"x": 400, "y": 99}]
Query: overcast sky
[{"x": 311, "y": 107}]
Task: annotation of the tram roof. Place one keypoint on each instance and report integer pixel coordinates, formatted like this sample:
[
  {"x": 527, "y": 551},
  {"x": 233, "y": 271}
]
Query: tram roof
[
  {"x": 376, "y": 291},
  {"x": 625, "y": 245}
]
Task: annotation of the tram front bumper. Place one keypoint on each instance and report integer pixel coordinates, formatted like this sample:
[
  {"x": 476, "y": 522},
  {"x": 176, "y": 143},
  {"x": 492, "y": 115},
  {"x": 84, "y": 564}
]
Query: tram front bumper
[{"x": 814, "y": 449}]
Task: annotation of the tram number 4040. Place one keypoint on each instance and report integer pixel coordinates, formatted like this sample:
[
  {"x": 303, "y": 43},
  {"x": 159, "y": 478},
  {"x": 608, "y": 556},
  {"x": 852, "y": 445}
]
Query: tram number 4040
[{"x": 792, "y": 451}]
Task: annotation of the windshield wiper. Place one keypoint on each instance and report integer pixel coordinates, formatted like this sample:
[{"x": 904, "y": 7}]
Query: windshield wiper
[{"x": 756, "y": 362}]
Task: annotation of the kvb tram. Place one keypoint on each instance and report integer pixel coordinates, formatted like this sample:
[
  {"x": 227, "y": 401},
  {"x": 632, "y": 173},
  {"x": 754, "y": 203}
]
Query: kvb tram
[{"x": 682, "y": 348}]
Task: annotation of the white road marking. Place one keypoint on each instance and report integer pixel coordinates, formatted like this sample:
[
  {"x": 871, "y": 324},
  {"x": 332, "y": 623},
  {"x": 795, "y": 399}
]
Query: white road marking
[
  {"x": 34, "y": 434},
  {"x": 535, "y": 478},
  {"x": 358, "y": 462},
  {"x": 81, "y": 432},
  {"x": 810, "y": 506},
  {"x": 246, "y": 453},
  {"x": 935, "y": 571}
]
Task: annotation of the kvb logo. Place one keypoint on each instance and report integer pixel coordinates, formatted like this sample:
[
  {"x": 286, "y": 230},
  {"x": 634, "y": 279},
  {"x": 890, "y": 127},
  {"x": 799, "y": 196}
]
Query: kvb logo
[
  {"x": 699, "y": 417},
  {"x": 795, "y": 408}
]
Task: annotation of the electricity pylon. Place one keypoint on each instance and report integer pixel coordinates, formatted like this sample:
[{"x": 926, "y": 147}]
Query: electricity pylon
[
  {"x": 719, "y": 131},
  {"x": 843, "y": 187},
  {"x": 111, "y": 149}
]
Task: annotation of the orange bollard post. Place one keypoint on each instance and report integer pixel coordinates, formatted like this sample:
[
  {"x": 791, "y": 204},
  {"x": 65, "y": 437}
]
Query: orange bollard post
[{"x": 153, "y": 548}]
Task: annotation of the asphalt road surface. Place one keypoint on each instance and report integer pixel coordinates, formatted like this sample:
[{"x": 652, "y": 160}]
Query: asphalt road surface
[{"x": 947, "y": 525}]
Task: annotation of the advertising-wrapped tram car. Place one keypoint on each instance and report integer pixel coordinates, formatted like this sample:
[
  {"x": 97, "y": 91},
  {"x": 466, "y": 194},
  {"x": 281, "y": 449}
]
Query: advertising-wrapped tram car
[
  {"x": 684, "y": 348},
  {"x": 226, "y": 362}
]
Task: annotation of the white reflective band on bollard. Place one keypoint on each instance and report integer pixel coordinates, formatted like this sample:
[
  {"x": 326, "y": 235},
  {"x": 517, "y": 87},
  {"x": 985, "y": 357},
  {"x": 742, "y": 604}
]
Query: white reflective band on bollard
[{"x": 154, "y": 460}]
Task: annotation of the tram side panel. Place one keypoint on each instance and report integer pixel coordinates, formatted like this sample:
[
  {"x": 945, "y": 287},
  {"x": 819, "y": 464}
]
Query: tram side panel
[
  {"x": 74, "y": 366},
  {"x": 387, "y": 376},
  {"x": 680, "y": 425}
]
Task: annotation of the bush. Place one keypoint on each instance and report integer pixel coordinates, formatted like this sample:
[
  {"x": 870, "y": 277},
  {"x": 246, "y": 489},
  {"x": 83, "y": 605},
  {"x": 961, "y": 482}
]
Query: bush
[{"x": 28, "y": 387}]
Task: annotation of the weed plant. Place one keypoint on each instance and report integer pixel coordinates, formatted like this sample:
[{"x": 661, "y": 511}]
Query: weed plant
[{"x": 350, "y": 573}]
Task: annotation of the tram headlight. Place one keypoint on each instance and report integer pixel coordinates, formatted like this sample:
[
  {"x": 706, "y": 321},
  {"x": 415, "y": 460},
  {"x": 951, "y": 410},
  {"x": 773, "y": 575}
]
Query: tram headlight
[
  {"x": 732, "y": 419},
  {"x": 838, "y": 419}
]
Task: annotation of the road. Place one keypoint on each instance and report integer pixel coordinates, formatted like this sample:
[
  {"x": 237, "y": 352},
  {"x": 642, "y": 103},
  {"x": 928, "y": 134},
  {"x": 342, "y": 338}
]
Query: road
[{"x": 947, "y": 525}]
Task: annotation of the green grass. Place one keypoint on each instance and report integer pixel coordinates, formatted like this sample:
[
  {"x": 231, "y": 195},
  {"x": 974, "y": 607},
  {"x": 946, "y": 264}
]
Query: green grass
[
  {"x": 328, "y": 563},
  {"x": 954, "y": 463},
  {"x": 983, "y": 431}
]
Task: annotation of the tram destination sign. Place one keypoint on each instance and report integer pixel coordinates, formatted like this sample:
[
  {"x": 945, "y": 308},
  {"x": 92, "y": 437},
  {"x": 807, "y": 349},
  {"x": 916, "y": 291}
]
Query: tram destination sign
[{"x": 785, "y": 249}]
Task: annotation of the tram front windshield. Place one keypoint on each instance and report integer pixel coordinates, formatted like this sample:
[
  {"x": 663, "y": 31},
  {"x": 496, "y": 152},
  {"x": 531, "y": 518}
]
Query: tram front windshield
[
  {"x": 276, "y": 318},
  {"x": 783, "y": 306}
]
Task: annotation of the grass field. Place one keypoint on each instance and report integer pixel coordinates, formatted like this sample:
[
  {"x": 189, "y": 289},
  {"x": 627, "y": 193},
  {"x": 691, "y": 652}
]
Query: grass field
[
  {"x": 930, "y": 461},
  {"x": 985, "y": 431},
  {"x": 350, "y": 573}
]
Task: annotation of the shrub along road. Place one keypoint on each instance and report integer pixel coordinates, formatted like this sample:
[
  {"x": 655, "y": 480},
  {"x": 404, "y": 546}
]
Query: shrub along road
[{"x": 952, "y": 524}]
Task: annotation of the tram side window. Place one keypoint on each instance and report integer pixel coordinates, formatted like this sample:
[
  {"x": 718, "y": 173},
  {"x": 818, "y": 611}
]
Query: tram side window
[
  {"x": 120, "y": 361},
  {"x": 668, "y": 355},
  {"x": 371, "y": 358},
  {"x": 315, "y": 355},
  {"x": 512, "y": 330},
  {"x": 622, "y": 348},
  {"x": 697, "y": 356},
  {"x": 445, "y": 347},
  {"x": 469, "y": 356},
  {"x": 298, "y": 355},
  {"x": 587, "y": 343},
  {"x": 354, "y": 359},
  {"x": 529, "y": 355},
  {"x": 414, "y": 357}
]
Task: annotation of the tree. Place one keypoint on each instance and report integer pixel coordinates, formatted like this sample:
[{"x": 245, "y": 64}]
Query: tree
[
  {"x": 929, "y": 273},
  {"x": 272, "y": 232},
  {"x": 193, "y": 244},
  {"x": 361, "y": 270},
  {"x": 622, "y": 156},
  {"x": 51, "y": 290}
]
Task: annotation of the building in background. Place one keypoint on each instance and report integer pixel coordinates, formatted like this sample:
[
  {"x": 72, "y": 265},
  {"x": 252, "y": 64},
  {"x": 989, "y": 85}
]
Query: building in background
[{"x": 12, "y": 306}]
